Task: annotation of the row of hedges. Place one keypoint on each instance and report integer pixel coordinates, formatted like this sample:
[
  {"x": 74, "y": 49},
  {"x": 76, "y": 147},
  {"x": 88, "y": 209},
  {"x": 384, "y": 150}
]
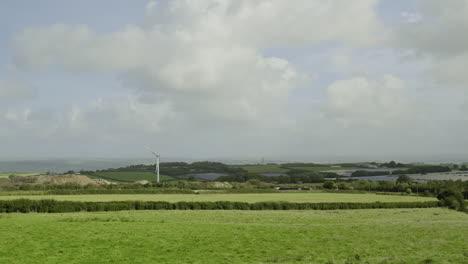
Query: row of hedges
[
  {"x": 53, "y": 206},
  {"x": 99, "y": 191},
  {"x": 119, "y": 191}
]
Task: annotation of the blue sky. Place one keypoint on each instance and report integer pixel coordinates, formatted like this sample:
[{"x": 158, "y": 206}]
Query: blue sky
[{"x": 203, "y": 79}]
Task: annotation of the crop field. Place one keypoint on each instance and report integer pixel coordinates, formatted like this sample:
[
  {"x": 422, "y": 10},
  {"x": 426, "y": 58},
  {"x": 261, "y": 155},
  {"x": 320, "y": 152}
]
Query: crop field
[
  {"x": 130, "y": 176},
  {"x": 249, "y": 197},
  {"x": 355, "y": 236}
]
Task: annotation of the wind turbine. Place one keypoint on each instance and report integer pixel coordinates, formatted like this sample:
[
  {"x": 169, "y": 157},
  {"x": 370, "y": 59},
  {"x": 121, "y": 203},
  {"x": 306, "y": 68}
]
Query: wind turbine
[{"x": 156, "y": 170}]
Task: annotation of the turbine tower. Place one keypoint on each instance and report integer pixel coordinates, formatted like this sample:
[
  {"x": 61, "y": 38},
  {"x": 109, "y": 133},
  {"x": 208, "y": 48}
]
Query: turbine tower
[{"x": 156, "y": 169}]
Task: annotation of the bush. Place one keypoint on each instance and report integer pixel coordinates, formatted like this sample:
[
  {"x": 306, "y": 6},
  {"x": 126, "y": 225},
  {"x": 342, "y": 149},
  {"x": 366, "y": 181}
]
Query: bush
[{"x": 329, "y": 185}]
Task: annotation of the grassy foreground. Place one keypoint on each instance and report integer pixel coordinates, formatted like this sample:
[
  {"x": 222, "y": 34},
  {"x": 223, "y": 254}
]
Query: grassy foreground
[
  {"x": 240, "y": 197},
  {"x": 357, "y": 236}
]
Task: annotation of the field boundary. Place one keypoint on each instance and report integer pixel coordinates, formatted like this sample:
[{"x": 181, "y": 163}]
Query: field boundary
[{"x": 54, "y": 206}]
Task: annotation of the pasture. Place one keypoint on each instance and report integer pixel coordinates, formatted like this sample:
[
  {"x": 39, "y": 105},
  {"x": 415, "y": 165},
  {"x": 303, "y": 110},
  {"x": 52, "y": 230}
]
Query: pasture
[
  {"x": 123, "y": 176},
  {"x": 298, "y": 197},
  {"x": 355, "y": 236}
]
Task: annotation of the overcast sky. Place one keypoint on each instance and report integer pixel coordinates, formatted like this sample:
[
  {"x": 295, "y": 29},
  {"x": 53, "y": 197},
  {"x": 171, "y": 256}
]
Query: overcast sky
[{"x": 295, "y": 79}]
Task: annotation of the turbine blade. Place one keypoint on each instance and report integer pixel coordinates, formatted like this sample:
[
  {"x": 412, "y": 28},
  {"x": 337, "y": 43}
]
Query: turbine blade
[{"x": 151, "y": 151}]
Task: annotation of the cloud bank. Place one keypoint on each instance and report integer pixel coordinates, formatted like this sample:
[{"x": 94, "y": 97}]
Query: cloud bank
[{"x": 229, "y": 78}]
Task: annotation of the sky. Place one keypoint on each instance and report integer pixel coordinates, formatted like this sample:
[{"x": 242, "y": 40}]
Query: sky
[{"x": 298, "y": 80}]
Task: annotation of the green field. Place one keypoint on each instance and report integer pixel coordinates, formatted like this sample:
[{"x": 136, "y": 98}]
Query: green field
[
  {"x": 354, "y": 236},
  {"x": 325, "y": 168},
  {"x": 7, "y": 174},
  {"x": 249, "y": 197},
  {"x": 130, "y": 176},
  {"x": 263, "y": 168}
]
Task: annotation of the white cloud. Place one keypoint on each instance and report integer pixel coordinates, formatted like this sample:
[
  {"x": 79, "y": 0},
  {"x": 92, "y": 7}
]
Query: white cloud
[
  {"x": 206, "y": 56},
  {"x": 12, "y": 90},
  {"x": 441, "y": 37},
  {"x": 197, "y": 73},
  {"x": 378, "y": 102},
  {"x": 102, "y": 118},
  {"x": 412, "y": 17}
]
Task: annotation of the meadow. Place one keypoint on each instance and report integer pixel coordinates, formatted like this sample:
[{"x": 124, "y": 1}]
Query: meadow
[
  {"x": 299, "y": 197},
  {"x": 433, "y": 235}
]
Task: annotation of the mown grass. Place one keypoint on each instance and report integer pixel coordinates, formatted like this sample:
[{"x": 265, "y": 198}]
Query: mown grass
[
  {"x": 130, "y": 176},
  {"x": 358, "y": 236},
  {"x": 240, "y": 197}
]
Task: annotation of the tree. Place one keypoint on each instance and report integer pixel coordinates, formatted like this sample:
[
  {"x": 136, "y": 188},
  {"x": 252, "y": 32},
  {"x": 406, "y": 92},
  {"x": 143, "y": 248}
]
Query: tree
[
  {"x": 403, "y": 178},
  {"x": 453, "y": 199},
  {"x": 329, "y": 185}
]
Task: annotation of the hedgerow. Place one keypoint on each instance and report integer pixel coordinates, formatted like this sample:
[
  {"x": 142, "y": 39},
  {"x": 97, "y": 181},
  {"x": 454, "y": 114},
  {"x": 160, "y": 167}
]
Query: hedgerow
[{"x": 54, "y": 206}]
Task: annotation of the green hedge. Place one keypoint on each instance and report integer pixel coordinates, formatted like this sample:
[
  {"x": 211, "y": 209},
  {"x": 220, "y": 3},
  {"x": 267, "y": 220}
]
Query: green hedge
[
  {"x": 99, "y": 191},
  {"x": 54, "y": 206}
]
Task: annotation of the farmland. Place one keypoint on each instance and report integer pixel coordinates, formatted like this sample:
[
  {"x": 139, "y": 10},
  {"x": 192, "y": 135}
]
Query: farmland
[
  {"x": 250, "y": 197},
  {"x": 366, "y": 236}
]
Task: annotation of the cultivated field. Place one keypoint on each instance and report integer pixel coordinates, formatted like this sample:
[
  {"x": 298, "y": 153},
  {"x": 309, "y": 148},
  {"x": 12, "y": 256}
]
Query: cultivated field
[
  {"x": 347, "y": 236},
  {"x": 250, "y": 197}
]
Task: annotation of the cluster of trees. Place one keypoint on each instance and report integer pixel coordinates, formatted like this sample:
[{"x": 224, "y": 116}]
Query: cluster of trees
[
  {"x": 425, "y": 169},
  {"x": 392, "y": 164},
  {"x": 53, "y": 206},
  {"x": 453, "y": 198}
]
